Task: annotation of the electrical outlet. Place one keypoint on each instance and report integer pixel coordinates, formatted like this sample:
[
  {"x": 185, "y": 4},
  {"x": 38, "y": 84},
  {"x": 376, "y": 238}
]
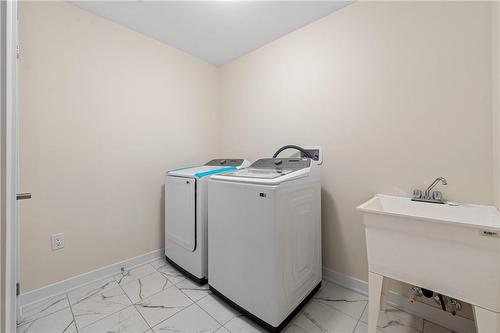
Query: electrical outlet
[{"x": 57, "y": 241}]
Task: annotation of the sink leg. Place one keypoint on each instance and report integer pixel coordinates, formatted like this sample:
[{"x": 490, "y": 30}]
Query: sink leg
[
  {"x": 375, "y": 284},
  {"x": 385, "y": 291},
  {"x": 486, "y": 321}
]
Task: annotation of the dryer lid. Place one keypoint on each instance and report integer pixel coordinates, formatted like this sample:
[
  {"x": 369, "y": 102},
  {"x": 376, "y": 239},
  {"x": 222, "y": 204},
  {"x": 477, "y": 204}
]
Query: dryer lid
[
  {"x": 210, "y": 168},
  {"x": 200, "y": 171}
]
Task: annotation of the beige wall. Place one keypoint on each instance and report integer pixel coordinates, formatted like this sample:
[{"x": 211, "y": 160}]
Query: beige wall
[
  {"x": 396, "y": 93},
  {"x": 104, "y": 112}
]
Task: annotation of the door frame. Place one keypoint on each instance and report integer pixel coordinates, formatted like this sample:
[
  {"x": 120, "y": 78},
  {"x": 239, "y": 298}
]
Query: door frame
[{"x": 9, "y": 166}]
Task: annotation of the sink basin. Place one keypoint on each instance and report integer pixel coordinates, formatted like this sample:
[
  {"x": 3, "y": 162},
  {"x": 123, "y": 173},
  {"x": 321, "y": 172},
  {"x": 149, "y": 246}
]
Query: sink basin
[
  {"x": 474, "y": 216},
  {"x": 451, "y": 249}
]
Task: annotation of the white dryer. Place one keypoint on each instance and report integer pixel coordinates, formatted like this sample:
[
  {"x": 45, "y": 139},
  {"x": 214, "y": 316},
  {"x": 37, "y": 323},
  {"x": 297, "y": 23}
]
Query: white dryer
[
  {"x": 264, "y": 238},
  {"x": 186, "y": 215}
]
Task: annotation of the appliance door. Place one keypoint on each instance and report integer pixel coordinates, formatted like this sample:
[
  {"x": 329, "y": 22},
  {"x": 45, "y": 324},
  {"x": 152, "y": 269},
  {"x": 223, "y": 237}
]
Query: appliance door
[{"x": 180, "y": 211}]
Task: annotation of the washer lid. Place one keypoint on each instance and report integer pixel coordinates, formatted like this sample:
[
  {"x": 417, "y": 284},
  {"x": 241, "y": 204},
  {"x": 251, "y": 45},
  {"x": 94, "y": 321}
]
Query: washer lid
[
  {"x": 259, "y": 173},
  {"x": 270, "y": 170}
]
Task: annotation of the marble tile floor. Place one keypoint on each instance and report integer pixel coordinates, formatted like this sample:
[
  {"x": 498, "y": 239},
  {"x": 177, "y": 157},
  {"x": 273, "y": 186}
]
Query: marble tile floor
[{"x": 156, "y": 298}]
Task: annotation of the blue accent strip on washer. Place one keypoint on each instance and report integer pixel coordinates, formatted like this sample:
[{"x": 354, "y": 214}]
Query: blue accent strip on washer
[{"x": 213, "y": 172}]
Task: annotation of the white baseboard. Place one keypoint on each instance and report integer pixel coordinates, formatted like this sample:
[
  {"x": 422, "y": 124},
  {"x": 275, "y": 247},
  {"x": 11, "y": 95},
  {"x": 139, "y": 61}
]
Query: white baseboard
[
  {"x": 85, "y": 278},
  {"x": 422, "y": 310}
]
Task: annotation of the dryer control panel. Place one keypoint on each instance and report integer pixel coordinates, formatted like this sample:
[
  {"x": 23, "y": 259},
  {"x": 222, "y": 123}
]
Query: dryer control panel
[{"x": 226, "y": 162}]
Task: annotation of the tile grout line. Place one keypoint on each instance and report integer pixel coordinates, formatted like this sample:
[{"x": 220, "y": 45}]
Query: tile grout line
[
  {"x": 174, "y": 314},
  {"x": 19, "y": 324},
  {"x": 355, "y": 326},
  {"x": 338, "y": 310},
  {"x": 133, "y": 304},
  {"x": 181, "y": 290},
  {"x": 342, "y": 312},
  {"x": 329, "y": 304},
  {"x": 202, "y": 309},
  {"x": 240, "y": 315},
  {"x": 221, "y": 325},
  {"x": 109, "y": 315},
  {"x": 317, "y": 325},
  {"x": 165, "y": 274},
  {"x": 196, "y": 302},
  {"x": 137, "y": 278},
  {"x": 100, "y": 293},
  {"x": 156, "y": 293},
  {"x": 364, "y": 309},
  {"x": 123, "y": 291},
  {"x": 105, "y": 317},
  {"x": 173, "y": 285},
  {"x": 46, "y": 315},
  {"x": 72, "y": 314},
  {"x": 359, "y": 319}
]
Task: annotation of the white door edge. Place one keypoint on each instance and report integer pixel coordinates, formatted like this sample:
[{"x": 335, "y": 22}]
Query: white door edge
[{"x": 9, "y": 167}]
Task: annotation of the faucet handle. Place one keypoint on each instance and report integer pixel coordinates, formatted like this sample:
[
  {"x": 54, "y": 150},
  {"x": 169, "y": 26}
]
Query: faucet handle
[
  {"x": 417, "y": 194},
  {"x": 437, "y": 195}
]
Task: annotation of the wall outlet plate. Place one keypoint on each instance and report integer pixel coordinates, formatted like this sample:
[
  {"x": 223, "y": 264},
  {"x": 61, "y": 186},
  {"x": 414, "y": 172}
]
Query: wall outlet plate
[
  {"x": 315, "y": 151},
  {"x": 57, "y": 241}
]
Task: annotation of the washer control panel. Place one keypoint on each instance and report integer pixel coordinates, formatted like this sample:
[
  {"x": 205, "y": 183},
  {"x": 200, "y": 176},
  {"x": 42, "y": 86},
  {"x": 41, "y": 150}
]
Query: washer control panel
[{"x": 281, "y": 163}]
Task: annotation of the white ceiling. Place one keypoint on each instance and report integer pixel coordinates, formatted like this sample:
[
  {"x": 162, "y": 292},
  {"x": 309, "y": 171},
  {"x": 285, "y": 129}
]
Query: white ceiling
[{"x": 216, "y": 31}]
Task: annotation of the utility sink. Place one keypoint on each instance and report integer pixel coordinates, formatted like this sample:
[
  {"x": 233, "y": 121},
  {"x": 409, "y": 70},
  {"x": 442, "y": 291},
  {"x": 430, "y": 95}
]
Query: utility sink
[{"x": 453, "y": 249}]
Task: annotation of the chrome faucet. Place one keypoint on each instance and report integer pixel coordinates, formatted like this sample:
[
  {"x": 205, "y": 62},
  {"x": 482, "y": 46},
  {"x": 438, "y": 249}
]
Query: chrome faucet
[
  {"x": 434, "y": 183},
  {"x": 428, "y": 196}
]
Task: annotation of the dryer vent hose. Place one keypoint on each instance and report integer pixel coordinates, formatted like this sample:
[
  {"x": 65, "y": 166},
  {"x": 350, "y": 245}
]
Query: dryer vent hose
[{"x": 302, "y": 150}]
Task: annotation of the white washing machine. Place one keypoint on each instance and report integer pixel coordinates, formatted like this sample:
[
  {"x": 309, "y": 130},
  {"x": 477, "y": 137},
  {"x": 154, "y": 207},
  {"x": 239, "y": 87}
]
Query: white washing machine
[
  {"x": 264, "y": 238},
  {"x": 186, "y": 215}
]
